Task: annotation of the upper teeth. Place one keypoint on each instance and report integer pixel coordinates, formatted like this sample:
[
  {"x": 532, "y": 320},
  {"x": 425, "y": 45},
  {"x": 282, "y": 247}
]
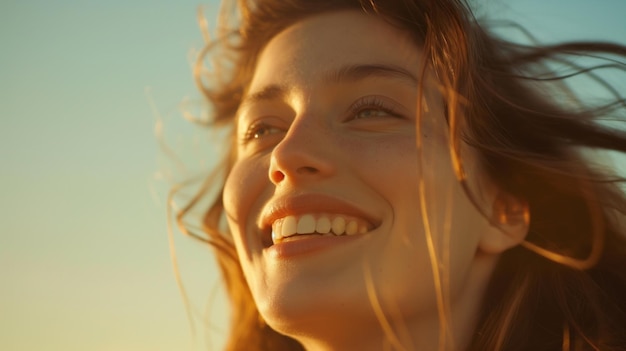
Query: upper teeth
[{"x": 321, "y": 224}]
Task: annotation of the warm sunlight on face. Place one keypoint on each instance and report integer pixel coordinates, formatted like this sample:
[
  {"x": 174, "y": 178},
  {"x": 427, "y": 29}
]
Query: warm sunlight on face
[{"x": 323, "y": 198}]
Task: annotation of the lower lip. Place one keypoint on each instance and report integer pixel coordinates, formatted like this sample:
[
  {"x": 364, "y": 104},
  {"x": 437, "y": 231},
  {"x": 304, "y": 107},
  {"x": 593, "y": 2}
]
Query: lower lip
[{"x": 310, "y": 245}]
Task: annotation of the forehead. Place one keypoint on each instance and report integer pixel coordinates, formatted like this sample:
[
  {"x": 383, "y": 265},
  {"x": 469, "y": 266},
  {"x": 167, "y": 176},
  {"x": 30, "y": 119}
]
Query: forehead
[{"x": 312, "y": 48}]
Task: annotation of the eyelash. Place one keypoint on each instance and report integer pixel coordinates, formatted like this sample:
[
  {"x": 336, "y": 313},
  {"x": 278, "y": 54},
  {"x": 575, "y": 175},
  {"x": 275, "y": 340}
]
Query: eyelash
[
  {"x": 253, "y": 131},
  {"x": 372, "y": 103}
]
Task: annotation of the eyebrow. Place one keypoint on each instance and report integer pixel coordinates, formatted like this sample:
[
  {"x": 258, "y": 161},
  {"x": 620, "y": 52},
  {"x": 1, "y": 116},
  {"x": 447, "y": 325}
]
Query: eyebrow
[
  {"x": 270, "y": 92},
  {"x": 349, "y": 73},
  {"x": 354, "y": 73}
]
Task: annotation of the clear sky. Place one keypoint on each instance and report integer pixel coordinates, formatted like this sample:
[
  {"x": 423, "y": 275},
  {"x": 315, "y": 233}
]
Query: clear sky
[{"x": 84, "y": 262}]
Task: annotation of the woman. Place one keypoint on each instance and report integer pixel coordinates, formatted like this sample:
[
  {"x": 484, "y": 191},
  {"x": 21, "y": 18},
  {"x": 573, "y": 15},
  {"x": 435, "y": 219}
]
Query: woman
[{"x": 399, "y": 179}]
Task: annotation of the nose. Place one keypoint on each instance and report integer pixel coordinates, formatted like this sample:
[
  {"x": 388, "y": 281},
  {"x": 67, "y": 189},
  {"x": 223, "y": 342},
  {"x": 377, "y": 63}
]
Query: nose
[{"x": 304, "y": 154}]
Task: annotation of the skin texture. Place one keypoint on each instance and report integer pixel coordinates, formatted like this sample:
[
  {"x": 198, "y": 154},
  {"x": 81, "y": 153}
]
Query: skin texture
[{"x": 303, "y": 129}]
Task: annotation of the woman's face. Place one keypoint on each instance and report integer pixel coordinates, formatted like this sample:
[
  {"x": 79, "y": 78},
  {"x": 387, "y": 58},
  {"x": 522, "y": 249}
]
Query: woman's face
[{"x": 326, "y": 147}]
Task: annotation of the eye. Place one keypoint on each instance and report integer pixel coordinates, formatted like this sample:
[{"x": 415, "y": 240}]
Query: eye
[
  {"x": 260, "y": 130},
  {"x": 371, "y": 113},
  {"x": 373, "y": 107}
]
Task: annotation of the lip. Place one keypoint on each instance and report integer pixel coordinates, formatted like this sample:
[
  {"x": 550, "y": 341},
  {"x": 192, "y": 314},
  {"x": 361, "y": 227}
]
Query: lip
[{"x": 310, "y": 245}]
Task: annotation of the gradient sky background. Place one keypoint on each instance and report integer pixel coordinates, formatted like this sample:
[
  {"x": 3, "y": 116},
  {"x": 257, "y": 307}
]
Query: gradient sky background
[{"x": 84, "y": 262}]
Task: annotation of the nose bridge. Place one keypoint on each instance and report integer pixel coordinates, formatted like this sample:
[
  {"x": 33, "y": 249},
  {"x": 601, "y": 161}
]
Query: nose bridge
[{"x": 305, "y": 152}]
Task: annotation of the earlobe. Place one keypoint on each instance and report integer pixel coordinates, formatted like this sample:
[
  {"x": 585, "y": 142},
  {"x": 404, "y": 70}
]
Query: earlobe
[{"x": 510, "y": 219}]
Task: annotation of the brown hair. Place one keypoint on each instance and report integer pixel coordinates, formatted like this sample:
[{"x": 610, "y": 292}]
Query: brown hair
[{"x": 564, "y": 288}]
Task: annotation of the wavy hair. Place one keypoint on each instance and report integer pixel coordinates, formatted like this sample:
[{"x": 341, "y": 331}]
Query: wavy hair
[{"x": 564, "y": 288}]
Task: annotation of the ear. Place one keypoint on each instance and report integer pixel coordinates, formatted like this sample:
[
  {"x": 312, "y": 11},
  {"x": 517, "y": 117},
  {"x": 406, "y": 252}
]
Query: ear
[{"x": 510, "y": 218}]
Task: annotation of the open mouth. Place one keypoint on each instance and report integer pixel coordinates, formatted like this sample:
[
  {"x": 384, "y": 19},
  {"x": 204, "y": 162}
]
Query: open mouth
[{"x": 298, "y": 227}]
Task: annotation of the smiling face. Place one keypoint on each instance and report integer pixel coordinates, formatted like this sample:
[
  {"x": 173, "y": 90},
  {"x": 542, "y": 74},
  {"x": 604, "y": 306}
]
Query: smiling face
[{"x": 323, "y": 200}]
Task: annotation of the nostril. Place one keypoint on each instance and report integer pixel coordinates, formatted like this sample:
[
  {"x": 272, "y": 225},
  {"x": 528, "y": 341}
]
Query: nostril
[
  {"x": 277, "y": 176},
  {"x": 307, "y": 170}
]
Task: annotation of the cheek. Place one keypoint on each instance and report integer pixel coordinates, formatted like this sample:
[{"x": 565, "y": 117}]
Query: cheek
[
  {"x": 244, "y": 183},
  {"x": 243, "y": 195},
  {"x": 383, "y": 159},
  {"x": 394, "y": 170}
]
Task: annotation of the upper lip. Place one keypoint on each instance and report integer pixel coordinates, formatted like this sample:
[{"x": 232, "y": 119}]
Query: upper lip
[{"x": 294, "y": 205}]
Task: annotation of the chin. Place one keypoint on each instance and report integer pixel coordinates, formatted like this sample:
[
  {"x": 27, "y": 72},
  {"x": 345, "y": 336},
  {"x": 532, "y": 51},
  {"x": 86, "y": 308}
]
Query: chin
[{"x": 295, "y": 307}]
